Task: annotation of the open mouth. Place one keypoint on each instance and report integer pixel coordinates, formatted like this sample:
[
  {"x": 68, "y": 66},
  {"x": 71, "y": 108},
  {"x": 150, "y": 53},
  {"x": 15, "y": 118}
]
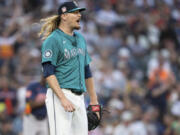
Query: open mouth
[{"x": 78, "y": 21}]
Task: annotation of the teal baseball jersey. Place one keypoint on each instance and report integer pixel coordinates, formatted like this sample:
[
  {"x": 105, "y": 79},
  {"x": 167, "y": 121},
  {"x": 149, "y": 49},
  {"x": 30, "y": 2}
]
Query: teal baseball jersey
[{"x": 69, "y": 56}]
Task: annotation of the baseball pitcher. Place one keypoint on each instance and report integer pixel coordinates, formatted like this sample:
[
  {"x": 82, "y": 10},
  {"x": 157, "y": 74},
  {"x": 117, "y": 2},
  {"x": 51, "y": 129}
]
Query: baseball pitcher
[{"x": 66, "y": 68}]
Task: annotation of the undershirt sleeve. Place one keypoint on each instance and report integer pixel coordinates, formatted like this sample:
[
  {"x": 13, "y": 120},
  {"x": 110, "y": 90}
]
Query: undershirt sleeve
[
  {"x": 88, "y": 73},
  {"x": 48, "y": 69}
]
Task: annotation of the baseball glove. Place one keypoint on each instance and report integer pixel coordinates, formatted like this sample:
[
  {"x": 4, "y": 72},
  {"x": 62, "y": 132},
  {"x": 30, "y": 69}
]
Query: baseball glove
[{"x": 92, "y": 115}]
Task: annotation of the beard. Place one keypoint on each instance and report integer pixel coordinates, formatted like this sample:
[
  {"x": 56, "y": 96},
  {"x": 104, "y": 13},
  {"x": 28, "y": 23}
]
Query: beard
[{"x": 77, "y": 27}]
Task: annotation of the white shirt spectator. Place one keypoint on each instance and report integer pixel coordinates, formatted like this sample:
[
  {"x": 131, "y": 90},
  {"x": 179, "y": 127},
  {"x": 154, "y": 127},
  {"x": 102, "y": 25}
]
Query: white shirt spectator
[
  {"x": 169, "y": 2},
  {"x": 9, "y": 41},
  {"x": 153, "y": 34},
  {"x": 154, "y": 63},
  {"x": 175, "y": 109},
  {"x": 138, "y": 128},
  {"x": 176, "y": 14},
  {"x": 123, "y": 130},
  {"x": 119, "y": 80},
  {"x": 106, "y": 17},
  {"x": 140, "y": 3},
  {"x": 21, "y": 97}
]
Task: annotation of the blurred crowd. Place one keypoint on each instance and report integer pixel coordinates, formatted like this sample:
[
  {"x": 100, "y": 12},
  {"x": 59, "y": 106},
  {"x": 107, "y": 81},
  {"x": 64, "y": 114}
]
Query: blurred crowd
[{"x": 134, "y": 45}]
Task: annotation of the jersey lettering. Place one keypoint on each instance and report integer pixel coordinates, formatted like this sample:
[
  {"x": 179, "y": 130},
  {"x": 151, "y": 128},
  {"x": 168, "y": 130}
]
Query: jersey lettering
[
  {"x": 66, "y": 54},
  {"x": 73, "y": 52}
]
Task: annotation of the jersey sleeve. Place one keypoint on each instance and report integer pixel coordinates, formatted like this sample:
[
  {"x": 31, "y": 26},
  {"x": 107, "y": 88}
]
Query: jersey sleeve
[{"x": 49, "y": 51}]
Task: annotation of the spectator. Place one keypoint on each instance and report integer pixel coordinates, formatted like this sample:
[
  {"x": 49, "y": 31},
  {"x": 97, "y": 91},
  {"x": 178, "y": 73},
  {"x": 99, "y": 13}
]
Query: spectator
[
  {"x": 124, "y": 127},
  {"x": 7, "y": 98},
  {"x": 35, "y": 111}
]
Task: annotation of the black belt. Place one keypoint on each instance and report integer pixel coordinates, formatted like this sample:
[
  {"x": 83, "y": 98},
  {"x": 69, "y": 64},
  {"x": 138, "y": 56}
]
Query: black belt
[{"x": 76, "y": 92}]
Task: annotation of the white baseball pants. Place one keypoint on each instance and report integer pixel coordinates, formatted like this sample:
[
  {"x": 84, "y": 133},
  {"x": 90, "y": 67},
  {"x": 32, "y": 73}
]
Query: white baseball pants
[
  {"x": 32, "y": 126},
  {"x": 66, "y": 123}
]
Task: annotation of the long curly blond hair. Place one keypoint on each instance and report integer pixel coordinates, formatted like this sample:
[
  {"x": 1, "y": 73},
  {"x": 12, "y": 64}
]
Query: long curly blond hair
[{"x": 49, "y": 24}]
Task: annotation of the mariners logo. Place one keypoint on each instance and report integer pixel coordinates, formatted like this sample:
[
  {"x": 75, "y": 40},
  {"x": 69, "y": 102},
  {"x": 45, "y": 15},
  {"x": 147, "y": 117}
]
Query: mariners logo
[{"x": 48, "y": 54}]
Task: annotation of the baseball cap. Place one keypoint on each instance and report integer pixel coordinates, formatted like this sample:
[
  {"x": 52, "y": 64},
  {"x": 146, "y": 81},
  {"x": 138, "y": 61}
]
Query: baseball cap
[{"x": 68, "y": 7}]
